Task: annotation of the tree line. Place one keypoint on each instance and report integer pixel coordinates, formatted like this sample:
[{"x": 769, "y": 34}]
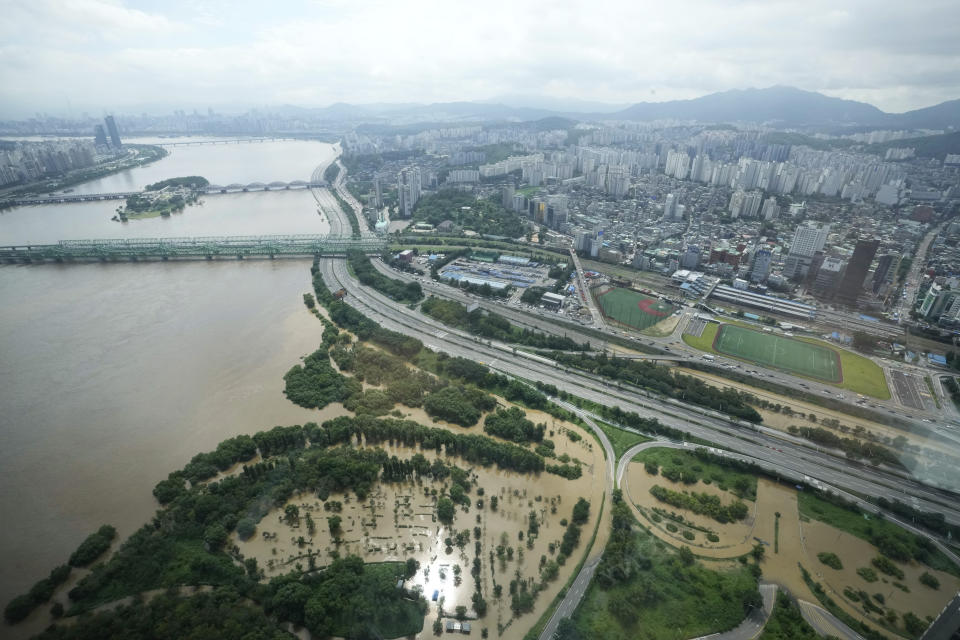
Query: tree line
[
  {"x": 223, "y": 614},
  {"x": 512, "y": 424},
  {"x": 494, "y": 326},
  {"x": 702, "y": 504},
  {"x": 349, "y": 212},
  {"x": 194, "y": 182},
  {"x": 462, "y": 405},
  {"x": 184, "y": 543},
  {"x": 365, "y": 329},
  {"x": 315, "y": 383},
  {"x": 23, "y": 605},
  {"x": 852, "y": 447},
  {"x": 405, "y": 292},
  {"x": 660, "y": 379}
]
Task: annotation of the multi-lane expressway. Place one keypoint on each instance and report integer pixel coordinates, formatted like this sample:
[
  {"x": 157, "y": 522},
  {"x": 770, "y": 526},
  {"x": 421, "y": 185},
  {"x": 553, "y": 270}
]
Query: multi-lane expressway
[
  {"x": 794, "y": 459},
  {"x": 776, "y": 452},
  {"x": 552, "y": 323}
]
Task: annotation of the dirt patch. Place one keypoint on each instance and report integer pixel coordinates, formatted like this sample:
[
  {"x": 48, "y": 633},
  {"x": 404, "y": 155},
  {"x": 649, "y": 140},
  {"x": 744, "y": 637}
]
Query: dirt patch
[
  {"x": 782, "y": 422},
  {"x": 665, "y": 327}
]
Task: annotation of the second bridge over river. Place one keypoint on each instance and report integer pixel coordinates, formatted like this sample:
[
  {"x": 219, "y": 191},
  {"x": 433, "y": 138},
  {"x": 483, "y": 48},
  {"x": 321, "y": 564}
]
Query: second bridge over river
[{"x": 209, "y": 248}]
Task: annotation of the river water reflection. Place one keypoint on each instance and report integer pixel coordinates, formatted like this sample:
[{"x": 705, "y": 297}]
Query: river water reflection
[
  {"x": 222, "y": 164},
  {"x": 114, "y": 375},
  {"x": 230, "y": 214}
]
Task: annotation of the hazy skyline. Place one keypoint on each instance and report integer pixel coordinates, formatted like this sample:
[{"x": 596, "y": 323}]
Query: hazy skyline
[{"x": 68, "y": 56}]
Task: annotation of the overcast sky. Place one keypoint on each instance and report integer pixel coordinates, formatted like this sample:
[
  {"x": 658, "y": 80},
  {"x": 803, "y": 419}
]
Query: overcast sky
[{"x": 63, "y": 56}]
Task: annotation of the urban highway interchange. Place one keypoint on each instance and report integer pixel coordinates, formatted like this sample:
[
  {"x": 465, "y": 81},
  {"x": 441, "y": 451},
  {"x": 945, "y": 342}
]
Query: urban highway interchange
[{"x": 775, "y": 451}]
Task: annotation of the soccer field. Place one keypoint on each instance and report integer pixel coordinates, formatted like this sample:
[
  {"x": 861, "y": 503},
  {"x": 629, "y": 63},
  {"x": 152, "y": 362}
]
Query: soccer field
[
  {"x": 771, "y": 350},
  {"x": 633, "y": 309}
]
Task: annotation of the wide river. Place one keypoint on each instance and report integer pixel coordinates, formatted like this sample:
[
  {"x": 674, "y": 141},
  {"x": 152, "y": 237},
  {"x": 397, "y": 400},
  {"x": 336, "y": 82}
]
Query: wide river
[{"x": 113, "y": 375}]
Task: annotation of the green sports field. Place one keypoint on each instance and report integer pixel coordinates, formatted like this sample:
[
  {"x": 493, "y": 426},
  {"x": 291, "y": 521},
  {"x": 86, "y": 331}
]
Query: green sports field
[
  {"x": 794, "y": 356},
  {"x": 633, "y": 309}
]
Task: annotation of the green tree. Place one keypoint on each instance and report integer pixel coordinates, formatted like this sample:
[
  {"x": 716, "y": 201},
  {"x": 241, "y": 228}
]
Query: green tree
[
  {"x": 215, "y": 536},
  {"x": 445, "y": 510},
  {"x": 246, "y": 527},
  {"x": 334, "y": 523}
]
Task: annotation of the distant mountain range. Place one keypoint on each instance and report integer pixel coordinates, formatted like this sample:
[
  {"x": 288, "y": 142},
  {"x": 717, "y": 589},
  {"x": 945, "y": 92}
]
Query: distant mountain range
[
  {"x": 791, "y": 107},
  {"x": 779, "y": 106}
]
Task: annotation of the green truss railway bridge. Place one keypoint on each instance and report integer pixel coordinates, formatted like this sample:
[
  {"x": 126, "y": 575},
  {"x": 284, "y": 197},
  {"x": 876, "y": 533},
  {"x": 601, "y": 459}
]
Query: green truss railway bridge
[{"x": 202, "y": 248}]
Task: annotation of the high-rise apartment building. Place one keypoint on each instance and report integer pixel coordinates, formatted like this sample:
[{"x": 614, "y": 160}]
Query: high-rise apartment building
[
  {"x": 736, "y": 203},
  {"x": 408, "y": 190},
  {"x": 771, "y": 210},
  {"x": 883, "y": 274},
  {"x": 113, "y": 131},
  {"x": 618, "y": 181},
  {"x": 751, "y": 204},
  {"x": 100, "y": 136},
  {"x": 506, "y": 197},
  {"x": 378, "y": 192},
  {"x": 669, "y": 206},
  {"x": 761, "y": 265},
  {"x": 851, "y": 286},
  {"x": 808, "y": 239}
]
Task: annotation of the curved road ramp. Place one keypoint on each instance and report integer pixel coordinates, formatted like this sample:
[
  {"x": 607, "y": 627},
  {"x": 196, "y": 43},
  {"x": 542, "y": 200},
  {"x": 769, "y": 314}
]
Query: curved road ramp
[
  {"x": 754, "y": 623},
  {"x": 825, "y": 623}
]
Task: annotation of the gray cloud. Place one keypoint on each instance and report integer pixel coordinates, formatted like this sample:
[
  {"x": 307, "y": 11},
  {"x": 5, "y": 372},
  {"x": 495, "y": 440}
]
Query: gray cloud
[{"x": 107, "y": 54}]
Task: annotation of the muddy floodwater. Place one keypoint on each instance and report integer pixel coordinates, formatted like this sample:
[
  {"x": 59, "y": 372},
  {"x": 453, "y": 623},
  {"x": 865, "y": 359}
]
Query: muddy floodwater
[
  {"x": 114, "y": 375},
  {"x": 228, "y": 214},
  {"x": 791, "y": 541},
  {"x": 397, "y": 521}
]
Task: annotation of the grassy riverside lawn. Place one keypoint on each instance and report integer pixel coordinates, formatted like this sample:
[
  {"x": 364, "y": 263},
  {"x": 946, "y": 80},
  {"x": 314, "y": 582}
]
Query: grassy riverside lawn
[
  {"x": 632, "y": 308},
  {"x": 691, "y": 469},
  {"x": 786, "y": 623},
  {"x": 664, "y": 594},
  {"x": 860, "y": 374},
  {"x": 621, "y": 439}
]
